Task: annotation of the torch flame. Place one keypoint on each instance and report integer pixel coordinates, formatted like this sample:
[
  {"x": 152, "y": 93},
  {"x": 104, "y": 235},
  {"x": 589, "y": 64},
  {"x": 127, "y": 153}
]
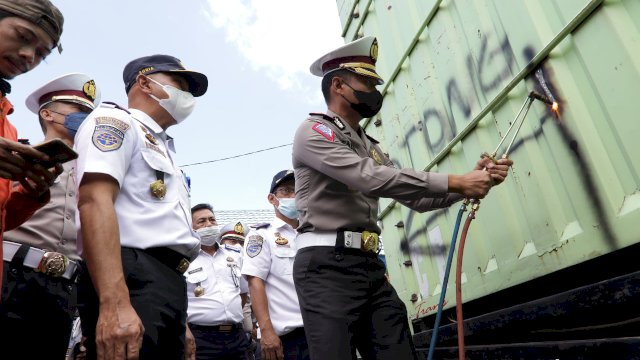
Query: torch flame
[{"x": 554, "y": 108}]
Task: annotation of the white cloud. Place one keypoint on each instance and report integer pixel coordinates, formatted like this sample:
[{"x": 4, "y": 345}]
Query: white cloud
[{"x": 279, "y": 37}]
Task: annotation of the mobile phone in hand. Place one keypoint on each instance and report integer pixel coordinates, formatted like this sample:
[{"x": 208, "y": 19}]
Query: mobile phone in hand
[{"x": 59, "y": 152}]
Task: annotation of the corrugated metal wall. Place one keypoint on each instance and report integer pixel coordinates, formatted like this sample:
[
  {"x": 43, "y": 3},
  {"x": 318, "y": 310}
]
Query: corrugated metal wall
[{"x": 457, "y": 72}]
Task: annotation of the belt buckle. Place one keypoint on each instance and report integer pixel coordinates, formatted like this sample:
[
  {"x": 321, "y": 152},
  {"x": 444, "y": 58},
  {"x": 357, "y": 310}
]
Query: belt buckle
[
  {"x": 225, "y": 328},
  {"x": 183, "y": 266},
  {"x": 53, "y": 264},
  {"x": 369, "y": 241}
]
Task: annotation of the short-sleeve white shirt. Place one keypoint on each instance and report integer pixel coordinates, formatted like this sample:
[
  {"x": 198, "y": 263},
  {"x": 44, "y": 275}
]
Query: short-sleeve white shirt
[
  {"x": 134, "y": 150},
  {"x": 219, "y": 276},
  {"x": 269, "y": 257}
]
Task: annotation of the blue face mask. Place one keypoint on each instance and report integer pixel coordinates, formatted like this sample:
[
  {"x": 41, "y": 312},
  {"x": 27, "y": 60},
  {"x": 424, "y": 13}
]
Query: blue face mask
[
  {"x": 287, "y": 207},
  {"x": 73, "y": 121}
]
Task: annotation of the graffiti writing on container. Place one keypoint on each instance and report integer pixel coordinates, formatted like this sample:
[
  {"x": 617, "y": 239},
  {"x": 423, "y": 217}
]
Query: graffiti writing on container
[
  {"x": 422, "y": 310},
  {"x": 493, "y": 67}
]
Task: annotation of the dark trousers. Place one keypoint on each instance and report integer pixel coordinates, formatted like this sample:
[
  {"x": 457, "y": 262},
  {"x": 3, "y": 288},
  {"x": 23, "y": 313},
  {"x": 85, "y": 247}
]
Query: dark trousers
[
  {"x": 220, "y": 345},
  {"x": 294, "y": 345},
  {"x": 36, "y": 312},
  {"x": 348, "y": 304},
  {"x": 158, "y": 295}
]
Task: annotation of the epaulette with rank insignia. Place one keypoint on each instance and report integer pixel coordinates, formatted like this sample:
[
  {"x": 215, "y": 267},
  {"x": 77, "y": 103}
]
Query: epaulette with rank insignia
[
  {"x": 261, "y": 226},
  {"x": 337, "y": 122},
  {"x": 113, "y": 105}
]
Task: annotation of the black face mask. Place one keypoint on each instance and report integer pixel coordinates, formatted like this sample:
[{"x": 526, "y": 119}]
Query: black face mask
[{"x": 369, "y": 103}]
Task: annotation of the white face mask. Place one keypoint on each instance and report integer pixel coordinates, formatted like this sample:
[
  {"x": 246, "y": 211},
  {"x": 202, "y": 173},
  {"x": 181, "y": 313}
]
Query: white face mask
[
  {"x": 287, "y": 207},
  {"x": 179, "y": 104},
  {"x": 208, "y": 235}
]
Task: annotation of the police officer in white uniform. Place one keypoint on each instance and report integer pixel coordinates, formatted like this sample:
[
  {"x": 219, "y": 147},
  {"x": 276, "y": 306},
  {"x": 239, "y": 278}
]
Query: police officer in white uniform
[
  {"x": 268, "y": 265},
  {"x": 135, "y": 228},
  {"x": 217, "y": 292},
  {"x": 35, "y": 293},
  {"x": 341, "y": 172}
]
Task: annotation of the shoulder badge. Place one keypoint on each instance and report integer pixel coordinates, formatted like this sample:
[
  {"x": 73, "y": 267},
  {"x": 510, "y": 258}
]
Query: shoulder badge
[
  {"x": 324, "y": 130},
  {"x": 254, "y": 245},
  {"x": 109, "y": 132}
]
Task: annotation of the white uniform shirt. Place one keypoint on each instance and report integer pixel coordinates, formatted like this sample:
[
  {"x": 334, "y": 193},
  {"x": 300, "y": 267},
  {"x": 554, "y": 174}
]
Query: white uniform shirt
[
  {"x": 220, "y": 277},
  {"x": 133, "y": 149},
  {"x": 269, "y": 253}
]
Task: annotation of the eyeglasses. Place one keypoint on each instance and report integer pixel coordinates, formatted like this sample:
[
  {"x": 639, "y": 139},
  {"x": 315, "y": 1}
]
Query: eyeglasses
[{"x": 286, "y": 190}]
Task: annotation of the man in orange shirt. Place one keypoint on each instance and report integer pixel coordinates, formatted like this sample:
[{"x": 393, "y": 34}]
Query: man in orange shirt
[{"x": 29, "y": 30}]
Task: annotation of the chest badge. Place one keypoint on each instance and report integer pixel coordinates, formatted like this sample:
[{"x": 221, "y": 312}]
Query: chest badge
[
  {"x": 198, "y": 291},
  {"x": 376, "y": 157},
  {"x": 229, "y": 259},
  {"x": 158, "y": 189},
  {"x": 280, "y": 240},
  {"x": 151, "y": 138}
]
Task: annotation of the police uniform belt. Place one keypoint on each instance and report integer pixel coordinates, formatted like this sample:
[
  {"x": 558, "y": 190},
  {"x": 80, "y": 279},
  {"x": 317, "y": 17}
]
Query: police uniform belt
[
  {"x": 47, "y": 262},
  {"x": 218, "y": 328},
  {"x": 170, "y": 258},
  {"x": 366, "y": 241}
]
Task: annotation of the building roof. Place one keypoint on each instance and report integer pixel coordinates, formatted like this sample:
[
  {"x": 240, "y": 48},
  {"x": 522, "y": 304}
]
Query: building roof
[{"x": 250, "y": 217}]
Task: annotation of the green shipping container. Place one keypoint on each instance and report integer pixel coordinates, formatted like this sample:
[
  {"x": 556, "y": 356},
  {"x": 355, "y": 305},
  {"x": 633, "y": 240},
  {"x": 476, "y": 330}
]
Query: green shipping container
[{"x": 457, "y": 72}]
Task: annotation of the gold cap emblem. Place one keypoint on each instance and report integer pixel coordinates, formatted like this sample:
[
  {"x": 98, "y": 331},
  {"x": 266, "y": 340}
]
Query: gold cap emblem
[
  {"x": 89, "y": 89},
  {"x": 239, "y": 229},
  {"x": 374, "y": 50}
]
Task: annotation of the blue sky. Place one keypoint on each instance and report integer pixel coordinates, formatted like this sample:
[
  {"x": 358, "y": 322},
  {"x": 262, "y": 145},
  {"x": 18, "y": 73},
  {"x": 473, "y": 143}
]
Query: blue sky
[{"x": 256, "y": 54}]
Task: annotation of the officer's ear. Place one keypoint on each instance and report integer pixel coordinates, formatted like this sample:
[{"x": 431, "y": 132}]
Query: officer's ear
[
  {"x": 337, "y": 83},
  {"x": 144, "y": 83},
  {"x": 45, "y": 114},
  {"x": 272, "y": 199}
]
